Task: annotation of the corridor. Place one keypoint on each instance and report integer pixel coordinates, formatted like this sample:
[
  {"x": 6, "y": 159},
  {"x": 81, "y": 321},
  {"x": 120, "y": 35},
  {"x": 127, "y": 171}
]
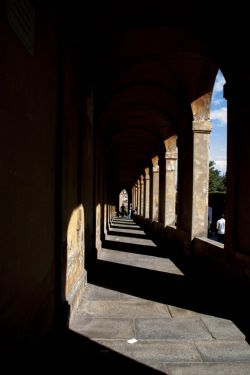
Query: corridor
[{"x": 142, "y": 311}]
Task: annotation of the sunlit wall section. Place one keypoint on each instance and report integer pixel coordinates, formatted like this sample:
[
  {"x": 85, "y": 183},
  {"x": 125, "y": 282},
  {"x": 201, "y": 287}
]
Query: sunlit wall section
[
  {"x": 75, "y": 276},
  {"x": 170, "y": 180},
  {"x": 98, "y": 227}
]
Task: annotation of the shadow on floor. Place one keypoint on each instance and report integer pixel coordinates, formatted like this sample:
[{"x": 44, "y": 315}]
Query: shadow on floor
[
  {"x": 131, "y": 248},
  {"x": 206, "y": 294},
  {"x": 70, "y": 352}
]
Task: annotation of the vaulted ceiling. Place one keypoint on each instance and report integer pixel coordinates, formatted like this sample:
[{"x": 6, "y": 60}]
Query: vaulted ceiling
[{"x": 148, "y": 61}]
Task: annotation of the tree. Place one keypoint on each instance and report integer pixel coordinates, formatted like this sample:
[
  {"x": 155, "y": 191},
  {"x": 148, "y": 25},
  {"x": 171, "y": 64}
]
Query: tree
[{"x": 217, "y": 182}]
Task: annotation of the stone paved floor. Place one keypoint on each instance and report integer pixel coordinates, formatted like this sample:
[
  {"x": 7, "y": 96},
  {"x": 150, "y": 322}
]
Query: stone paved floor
[{"x": 146, "y": 309}]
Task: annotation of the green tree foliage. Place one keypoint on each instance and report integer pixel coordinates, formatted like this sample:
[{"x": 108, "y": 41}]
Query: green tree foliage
[{"x": 217, "y": 182}]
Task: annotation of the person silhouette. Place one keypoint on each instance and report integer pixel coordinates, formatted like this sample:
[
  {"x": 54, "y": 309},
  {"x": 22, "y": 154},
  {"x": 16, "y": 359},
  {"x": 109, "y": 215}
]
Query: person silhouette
[
  {"x": 123, "y": 211},
  {"x": 220, "y": 227}
]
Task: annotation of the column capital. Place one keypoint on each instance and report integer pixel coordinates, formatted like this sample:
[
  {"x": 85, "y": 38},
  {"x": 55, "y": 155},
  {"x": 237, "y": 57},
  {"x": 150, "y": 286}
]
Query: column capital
[
  {"x": 171, "y": 155},
  {"x": 201, "y": 126},
  {"x": 147, "y": 174},
  {"x": 155, "y": 164}
]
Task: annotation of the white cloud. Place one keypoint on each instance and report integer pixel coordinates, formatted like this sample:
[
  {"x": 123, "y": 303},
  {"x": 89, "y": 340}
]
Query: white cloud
[
  {"x": 219, "y": 115},
  {"x": 221, "y": 165},
  {"x": 218, "y": 102},
  {"x": 219, "y": 83}
]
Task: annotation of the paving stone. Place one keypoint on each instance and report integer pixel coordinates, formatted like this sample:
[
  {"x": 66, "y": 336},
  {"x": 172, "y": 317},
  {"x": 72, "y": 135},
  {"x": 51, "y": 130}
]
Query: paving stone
[
  {"x": 123, "y": 224},
  {"x": 127, "y": 230},
  {"x": 158, "y": 366},
  {"x": 222, "y": 328},
  {"x": 132, "y": 297},
  {"x": 176, "y": 311},
  {"x": 172, "y": 328},
  {"x": 166, "y": 265},
  {"x": 94, "y": 292},
  {"x": 208, "y": 369},
  {"x": 136, "y": 241},
  {"x": 112, "y": 256},
  {"x": 141, "y": 263},
  {"x": 124, "y": 308},
  {"x": 139, "y": 260},
  {"x": 155, "y": 352},
  {"x": 104, "y": 328},
  {"x": 223, "y": 351}
]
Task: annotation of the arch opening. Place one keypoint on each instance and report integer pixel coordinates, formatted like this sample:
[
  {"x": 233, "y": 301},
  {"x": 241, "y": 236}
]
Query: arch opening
[{"x": 217, "y": 160}]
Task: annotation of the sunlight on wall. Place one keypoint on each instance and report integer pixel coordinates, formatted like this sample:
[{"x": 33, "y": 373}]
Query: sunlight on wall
[
  {"x": 98, "y": 227},
  {"x": 75, "y": 255}
]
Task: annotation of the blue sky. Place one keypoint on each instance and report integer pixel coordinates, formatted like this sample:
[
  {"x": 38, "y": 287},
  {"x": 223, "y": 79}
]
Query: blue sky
[{"x": 218, "y": 117}]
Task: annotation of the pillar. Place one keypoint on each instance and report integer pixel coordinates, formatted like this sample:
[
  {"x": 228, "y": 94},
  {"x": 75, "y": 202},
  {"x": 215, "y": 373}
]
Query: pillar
[
  {"x": 201, "y": 139},
  {"x": 133, "y": 196},
  {"x": 170, "y": 181},
  {"x": 139, "y": 197},
  {"x": 146, "y": 193},
  {"x": 142, "y": 197},
  {"x": 136, "y": 196},
  {"x": 155, "y": 189}
]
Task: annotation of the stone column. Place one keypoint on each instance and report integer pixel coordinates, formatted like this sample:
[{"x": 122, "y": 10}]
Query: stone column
[
  {"x": 136, "y": 195},
  {"x": 155, "y": 190},
  {"x": 170, "y": 181},
  {"x": 133, "y": 196},
  {"x": 139, "y": 197},
  {"x": 146, "y": 193},
  {"x": 142, "y": 209},
  {"x": 105, "y": 218},
  {"x": 151, "y": 193},
  {"x": 162, "y": 185},
  {"x": 201, "y": 135}
]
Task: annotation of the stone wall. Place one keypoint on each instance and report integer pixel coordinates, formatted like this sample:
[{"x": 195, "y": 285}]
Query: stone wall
[
  {"x": 28, "y": 118},
  {"x": 76, "y": 274}
]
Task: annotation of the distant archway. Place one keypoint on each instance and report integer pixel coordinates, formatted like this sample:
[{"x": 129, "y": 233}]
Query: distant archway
[{"x": 123, "y": 200}]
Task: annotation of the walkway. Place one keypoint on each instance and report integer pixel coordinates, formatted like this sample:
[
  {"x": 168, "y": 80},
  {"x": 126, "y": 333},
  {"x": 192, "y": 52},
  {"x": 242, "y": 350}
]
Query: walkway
[{"x": 142, "y": 313}]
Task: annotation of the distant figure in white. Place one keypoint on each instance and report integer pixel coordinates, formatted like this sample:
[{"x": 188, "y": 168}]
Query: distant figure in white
[
  {"x": 220, "y": 227},
  {"x": 130, "y": 211}
]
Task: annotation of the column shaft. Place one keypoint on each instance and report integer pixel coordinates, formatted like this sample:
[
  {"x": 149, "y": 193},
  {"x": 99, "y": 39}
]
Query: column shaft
[
  {"x": 201, "y": 134},
  {"x": 147, "y": 193}
]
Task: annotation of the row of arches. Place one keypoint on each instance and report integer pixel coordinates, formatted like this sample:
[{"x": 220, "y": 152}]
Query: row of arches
[{"x": 155, "y": 192}]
